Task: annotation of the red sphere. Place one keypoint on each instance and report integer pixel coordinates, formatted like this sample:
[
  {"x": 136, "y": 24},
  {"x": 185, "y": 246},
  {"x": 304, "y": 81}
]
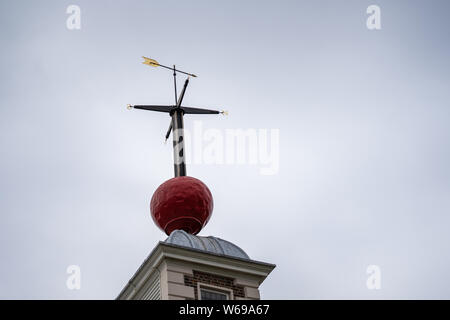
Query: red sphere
[{"x": 182, "y": 203}]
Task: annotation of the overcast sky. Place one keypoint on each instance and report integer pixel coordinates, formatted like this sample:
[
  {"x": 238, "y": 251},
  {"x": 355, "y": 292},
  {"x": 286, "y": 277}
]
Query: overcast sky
[{"x": 363, "y": 119}]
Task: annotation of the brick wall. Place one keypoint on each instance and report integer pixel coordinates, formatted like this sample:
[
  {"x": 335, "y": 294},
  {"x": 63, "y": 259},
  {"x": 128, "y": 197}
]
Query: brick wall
[{"x": 215, "y": 280}]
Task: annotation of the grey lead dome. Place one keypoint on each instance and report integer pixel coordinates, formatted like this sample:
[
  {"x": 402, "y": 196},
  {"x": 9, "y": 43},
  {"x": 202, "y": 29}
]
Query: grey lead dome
[{"x": 209, "y": 244}]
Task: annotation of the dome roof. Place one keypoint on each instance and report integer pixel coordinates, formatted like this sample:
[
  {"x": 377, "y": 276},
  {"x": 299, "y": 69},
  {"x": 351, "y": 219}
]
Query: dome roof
[{"x": 209, "y": 244}]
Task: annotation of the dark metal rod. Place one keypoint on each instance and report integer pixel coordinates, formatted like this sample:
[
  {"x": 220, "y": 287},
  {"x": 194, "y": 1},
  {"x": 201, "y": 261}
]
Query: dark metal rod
[
  {"x": 180, "y": 98},
  {"x": 189, "y": 110},
  {"x": 153, "y": 108},
  {"x": 189, "y": 74},
  {"x": 169, "y": 130},
  {"x": 175, "y": 82},
  {"x": 178, "y": 143}
]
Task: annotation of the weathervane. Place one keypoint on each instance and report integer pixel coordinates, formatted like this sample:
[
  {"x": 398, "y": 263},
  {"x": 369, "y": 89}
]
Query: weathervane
[{"x": 176, "y": 111}]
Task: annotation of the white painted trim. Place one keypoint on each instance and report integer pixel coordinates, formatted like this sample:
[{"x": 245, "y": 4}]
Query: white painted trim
[
  {"x": 163, "y": 251},
  {"x": 213, "y": 288}
]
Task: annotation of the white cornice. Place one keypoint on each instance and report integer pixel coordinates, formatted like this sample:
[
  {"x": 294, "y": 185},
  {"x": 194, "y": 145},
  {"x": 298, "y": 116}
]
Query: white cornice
[{"x": 164, "y": 250}]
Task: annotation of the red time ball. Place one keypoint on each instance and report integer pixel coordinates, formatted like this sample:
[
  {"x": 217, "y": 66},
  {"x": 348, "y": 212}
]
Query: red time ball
[{"x": 182, "y": 203}]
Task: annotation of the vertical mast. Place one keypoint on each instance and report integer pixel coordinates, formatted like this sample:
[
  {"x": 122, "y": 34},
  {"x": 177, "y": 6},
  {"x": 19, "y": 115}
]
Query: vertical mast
[
  {"x": 178, "y": 135},
  {"x": 178, "y": 143},
  {"x": 175, "y": 82}
]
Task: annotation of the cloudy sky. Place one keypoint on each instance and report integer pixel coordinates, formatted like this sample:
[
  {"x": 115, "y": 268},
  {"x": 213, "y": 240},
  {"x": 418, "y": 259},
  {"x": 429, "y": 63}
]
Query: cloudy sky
[{"x": 363, "y": 149}]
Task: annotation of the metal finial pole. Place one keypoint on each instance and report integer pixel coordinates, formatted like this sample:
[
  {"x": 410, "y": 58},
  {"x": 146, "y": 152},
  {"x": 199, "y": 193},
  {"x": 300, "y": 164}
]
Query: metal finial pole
[
  {"x": 178, "y": 135},
  {"x": 175, "y": 82},
  {"x": 179, "y": 164}
]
